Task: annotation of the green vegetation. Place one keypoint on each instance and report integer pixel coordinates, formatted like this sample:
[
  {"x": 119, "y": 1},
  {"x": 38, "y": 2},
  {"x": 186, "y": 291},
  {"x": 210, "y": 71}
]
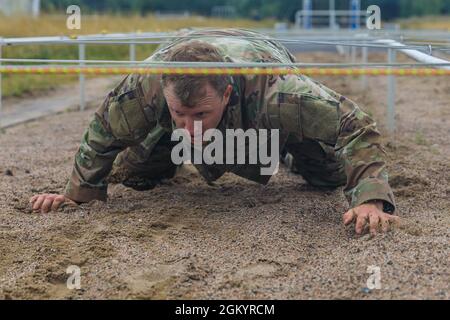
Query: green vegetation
[{"x": 257, "y": 9}]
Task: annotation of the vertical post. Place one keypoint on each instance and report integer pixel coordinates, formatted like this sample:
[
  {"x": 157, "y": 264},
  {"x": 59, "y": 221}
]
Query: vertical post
[
  {"x": 347, "y": 53},
  {"x": 353, "y": 54},
  {"x": 332, "y": 14},
  {"x": 365, "y": 58},
  {"x": 355, "y": 8},
  {"x": 358, "y": 14},
  {"x": 36, "y": 8},
  {"x": 82, "y": 56},
  {"x": 298, "y": 19},
  {"x": 132, "y": 52},
  {"x": 391, "y": 94},
  {"x": 307, "y": 14}
]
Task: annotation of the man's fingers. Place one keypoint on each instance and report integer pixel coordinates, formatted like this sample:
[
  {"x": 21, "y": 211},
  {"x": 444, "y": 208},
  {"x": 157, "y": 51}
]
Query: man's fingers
[
  {"x": 395, "y": 220},
  {"x": 369, "y": 217},
  {"x": 384, "y": 221},
  {"x": 70, "y": 202},
  {"x": 38, "y": 202},
  {"x": 34, "y": 198},
  {"x": 360, "y": 223},
  {"x": 348, "y": 216},
  {"x": 46, "y": 205},
  {"x": 374, "y": 219},
  {"x": 57, "y": 203}
]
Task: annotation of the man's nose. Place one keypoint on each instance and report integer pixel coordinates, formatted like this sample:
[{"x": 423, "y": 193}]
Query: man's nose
[{"x": 189, "y": 126}]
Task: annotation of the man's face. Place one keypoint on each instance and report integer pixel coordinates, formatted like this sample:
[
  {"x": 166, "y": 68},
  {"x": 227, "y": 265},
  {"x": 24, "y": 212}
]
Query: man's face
[{"x": 208, "y": 109}]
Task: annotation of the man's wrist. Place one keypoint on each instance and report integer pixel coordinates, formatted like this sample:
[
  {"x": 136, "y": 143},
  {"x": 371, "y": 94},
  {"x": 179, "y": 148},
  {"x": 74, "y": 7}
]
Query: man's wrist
[
  {"x": 382, "y": 205},
  {"x": 377, "y": 203},
  {"x": 68, "y": 200}
]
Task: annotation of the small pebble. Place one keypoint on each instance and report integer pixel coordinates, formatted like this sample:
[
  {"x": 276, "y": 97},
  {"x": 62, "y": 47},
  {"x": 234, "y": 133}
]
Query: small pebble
[
  {"x": 365, "y": 290},
  {"x": 8, "y": 172}
]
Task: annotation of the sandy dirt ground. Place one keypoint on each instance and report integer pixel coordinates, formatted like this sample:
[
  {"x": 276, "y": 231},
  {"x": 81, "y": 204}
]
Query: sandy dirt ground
[
  {"x": 235, "y": 239},
  {"x": 47, "y": 102}
]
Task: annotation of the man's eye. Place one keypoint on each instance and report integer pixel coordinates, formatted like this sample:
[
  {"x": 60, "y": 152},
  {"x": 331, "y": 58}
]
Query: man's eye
[{"x": 201, "y": 114}]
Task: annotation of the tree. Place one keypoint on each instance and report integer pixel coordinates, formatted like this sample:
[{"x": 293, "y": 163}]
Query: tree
[{"x": 281, "y": 9}]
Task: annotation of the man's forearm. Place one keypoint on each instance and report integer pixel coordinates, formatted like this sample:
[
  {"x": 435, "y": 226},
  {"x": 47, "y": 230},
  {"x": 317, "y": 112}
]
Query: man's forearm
[
  {"x": 80, "y": 191},
  {"x": 93, "y": 162},
  {"x": 358, "y": 146}
]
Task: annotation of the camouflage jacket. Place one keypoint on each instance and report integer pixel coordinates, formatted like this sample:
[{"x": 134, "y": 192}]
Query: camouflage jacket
[{"x": 297, "y": 105}]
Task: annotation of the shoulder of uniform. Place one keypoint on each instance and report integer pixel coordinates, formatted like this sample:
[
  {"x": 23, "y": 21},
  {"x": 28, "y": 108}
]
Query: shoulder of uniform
[
  {"x": 135, "y": 107},
  {"x": 296, "y": 105}
]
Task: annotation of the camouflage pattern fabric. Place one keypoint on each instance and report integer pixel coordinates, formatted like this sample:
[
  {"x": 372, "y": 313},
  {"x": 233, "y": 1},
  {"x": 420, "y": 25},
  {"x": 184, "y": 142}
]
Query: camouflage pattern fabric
[{"x": 332, "y": 141}]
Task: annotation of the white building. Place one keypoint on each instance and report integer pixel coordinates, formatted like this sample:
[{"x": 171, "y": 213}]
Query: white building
[{"x": 24, "y": 7}]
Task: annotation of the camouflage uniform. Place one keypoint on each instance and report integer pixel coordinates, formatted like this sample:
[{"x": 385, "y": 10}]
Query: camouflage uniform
[{"x": 331, "y": 140}]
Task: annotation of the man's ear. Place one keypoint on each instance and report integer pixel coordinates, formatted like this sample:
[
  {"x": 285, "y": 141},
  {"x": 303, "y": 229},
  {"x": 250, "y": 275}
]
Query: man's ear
[{"x": 227, "y": 93}]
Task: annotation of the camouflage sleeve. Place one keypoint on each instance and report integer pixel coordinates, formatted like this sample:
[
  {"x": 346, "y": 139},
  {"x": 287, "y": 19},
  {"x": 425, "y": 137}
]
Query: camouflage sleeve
[
  {"x": 310, "y": 110},
  {"x": 359, "y": 147},
  {"x": 121, "y": 121}
]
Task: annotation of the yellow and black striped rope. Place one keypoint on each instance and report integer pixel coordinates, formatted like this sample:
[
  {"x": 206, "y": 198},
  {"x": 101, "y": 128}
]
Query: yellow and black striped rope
[{"x": 88, "y": 70}]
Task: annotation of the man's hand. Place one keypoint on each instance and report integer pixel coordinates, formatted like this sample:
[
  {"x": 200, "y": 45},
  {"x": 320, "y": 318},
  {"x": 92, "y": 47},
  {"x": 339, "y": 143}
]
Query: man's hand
[
  {"x": 371, "y": 214},
  {"x": 47, "y": 202}
]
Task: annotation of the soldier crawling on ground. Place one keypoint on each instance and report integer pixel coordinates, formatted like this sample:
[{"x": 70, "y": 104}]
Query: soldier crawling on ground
[{"x": 325, "y": 137}]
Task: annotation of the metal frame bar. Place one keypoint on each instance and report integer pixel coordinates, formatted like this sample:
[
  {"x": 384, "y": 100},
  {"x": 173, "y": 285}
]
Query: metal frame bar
[
  {"x": 391, "y": 95},
  {"x": 330, "y": 39},
  {"x": 55, "y": 62},
  {"x": 82, "y": 57}
]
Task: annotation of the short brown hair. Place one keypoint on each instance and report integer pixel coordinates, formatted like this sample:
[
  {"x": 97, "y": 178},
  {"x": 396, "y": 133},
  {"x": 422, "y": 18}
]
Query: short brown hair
[{"x": 188, "y": 87}]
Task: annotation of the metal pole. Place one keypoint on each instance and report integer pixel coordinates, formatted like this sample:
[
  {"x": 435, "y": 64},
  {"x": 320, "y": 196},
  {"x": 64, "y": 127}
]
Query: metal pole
[
  {"x": 132, "y": 52},
  {"x": 36, "y": 6},
  {"x": 355, "y": 8},
  {"x": 358, "y": 15},
  {"x": 353, "y": 54},
  {"x": 365, "y": 57},
  {"x": 332, "y": 14},
  {"x": 82, "y": 56},
  {"x": 347, "y": 53},
  {"x": 298, "y": 19},
  {"x": 307, "y": 17},
  {"x": 391, "y": 94}
]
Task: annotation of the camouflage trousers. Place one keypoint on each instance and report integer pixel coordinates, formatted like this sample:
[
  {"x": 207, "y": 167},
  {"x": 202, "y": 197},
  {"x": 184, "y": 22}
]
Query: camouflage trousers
[{"x": 143, "y": 166}]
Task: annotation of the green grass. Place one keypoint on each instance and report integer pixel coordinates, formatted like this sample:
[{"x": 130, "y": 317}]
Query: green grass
[{"x": 428, "y": 22}]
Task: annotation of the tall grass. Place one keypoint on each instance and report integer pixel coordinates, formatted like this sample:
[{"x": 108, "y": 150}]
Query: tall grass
[
  {"x": 55, "y": 25},
  {"x": 433, "y": 23}
]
